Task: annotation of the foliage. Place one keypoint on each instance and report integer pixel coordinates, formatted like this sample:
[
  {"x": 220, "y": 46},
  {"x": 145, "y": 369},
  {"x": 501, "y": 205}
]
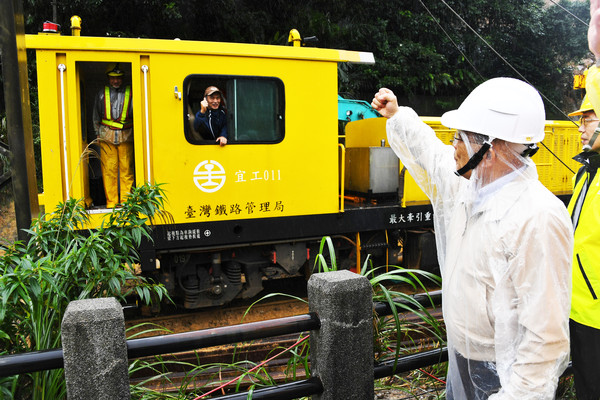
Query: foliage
[
  {"x": 386, "y": 336},
  {"x": 62, "y": 262},
  {"x": 391, "y": 285},
  {"x": 422, "y": 48},
  {"x": 525, "y": 40}
]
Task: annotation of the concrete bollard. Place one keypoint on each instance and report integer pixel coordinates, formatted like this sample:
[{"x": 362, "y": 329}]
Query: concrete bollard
[
  {"x": 341, "y": 351},
  {"x": 95, "y": 350}
]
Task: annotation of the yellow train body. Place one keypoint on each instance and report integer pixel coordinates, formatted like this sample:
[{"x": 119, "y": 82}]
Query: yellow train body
[
  {"x": 256, "y": 208},
  {"x": 258, "y": 179},
  {"x": 554, "y": 159}
]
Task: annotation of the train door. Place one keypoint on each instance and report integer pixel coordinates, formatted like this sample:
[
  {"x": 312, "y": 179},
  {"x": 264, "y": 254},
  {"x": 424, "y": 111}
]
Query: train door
[{"x": 93, "y": 81}]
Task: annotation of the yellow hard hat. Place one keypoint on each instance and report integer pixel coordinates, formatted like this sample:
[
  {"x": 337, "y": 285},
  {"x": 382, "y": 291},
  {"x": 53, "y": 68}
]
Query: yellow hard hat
[
  {"x": 113, "y": 69},
  {"x": 592, "y": 87},
  {"x": 586, "y": 105}
]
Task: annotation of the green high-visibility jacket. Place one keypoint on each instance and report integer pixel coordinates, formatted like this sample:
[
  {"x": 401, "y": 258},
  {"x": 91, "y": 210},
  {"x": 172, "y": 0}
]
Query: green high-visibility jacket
[{"x": 122, "y": 121}]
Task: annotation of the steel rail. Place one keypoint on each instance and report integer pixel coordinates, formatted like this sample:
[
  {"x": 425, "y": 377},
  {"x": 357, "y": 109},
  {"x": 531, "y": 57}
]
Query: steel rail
[
  {"x": 286, "y": 391},
  {"x": 165, "y": 344},
  {"x": 219, "y": 336}
]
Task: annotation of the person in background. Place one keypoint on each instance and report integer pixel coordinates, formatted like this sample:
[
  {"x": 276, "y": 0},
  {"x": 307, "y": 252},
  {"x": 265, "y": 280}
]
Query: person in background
[
  {"x": 592, "y": 80},
  {"x": 211, "y": 120},
  {"x": 585, "y": 311},
  {"x": 504, "y": 241},
  {"x": 584, "y": 323},
  {"x": 113, "y": 123}
]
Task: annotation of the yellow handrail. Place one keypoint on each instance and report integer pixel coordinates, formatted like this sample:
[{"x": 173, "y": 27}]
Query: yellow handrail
[
  {"x": 342, "y": 175},
  {"x": 358, "y": 252}
]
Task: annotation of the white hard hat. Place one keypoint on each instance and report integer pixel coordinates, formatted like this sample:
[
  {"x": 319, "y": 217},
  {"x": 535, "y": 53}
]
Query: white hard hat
[{"x": 503, "y": 108}]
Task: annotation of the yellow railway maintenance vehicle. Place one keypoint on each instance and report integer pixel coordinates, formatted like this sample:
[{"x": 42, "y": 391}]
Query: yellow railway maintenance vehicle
[{"x": 255, "y": 209}]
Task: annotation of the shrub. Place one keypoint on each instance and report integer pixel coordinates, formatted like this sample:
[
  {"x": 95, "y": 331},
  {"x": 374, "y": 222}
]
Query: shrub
[{"x": 63, "y": 261}]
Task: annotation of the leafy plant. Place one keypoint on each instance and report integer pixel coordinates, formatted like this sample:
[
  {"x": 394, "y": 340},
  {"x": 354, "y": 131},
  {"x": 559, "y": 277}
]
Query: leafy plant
[
  {"x": 393, "y": 285},
  {"x": 389, "y": 332},
  {"x": 61, "y": 262}
]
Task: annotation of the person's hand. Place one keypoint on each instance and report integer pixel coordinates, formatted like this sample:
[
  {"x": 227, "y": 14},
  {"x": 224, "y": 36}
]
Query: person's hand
[
  {"x": 203, "y": 106},
  {"x": 222, "y": 141},
  {"x": 385, "y": 102}
]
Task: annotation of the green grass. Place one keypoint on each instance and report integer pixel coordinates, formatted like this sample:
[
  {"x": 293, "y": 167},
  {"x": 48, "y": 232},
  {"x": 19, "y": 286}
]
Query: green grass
[{"x": 385, "y": 339}]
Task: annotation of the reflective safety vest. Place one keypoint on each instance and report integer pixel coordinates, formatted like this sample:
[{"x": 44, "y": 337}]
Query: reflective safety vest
[
  {"x": 122, "y": 122},
  {"x": 585, "y": 300}
]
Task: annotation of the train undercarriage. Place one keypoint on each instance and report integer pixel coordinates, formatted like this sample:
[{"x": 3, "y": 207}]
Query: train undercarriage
[{"x": 220, "y": 273}]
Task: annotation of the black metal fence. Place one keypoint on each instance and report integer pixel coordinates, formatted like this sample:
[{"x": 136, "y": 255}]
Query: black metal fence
[{"x": 173, "y": 343}]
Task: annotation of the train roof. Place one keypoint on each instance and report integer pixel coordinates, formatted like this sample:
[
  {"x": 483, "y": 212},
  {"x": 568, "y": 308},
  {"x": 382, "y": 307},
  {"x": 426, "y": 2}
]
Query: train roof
[{"x": 45, "y": 41}]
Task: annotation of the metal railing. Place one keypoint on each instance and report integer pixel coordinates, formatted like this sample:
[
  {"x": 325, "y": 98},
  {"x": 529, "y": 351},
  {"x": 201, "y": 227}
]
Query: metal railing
[
  {"x": 165, "y": 344},
  {"x": 173, "y": 343}
]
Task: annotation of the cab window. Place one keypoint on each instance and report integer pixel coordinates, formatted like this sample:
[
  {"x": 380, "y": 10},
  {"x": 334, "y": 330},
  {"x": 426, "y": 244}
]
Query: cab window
[{"x": 252, "y": 108}]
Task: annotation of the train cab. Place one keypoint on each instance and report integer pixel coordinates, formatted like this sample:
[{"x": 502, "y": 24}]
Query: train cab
[
  {"x": 280, "y": 101},
  {"x": 280, "y": 165}
]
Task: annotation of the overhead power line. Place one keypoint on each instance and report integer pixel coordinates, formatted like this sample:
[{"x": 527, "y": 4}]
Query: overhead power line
[
  {"x": 570, "y": 13},
  {"x": 499, "y": 56}
]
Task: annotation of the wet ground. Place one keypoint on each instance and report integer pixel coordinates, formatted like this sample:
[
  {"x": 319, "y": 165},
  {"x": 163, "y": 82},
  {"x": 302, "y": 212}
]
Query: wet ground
[
  {"x": 399, "y": 394},
  {"x": 8, "y": 225}
]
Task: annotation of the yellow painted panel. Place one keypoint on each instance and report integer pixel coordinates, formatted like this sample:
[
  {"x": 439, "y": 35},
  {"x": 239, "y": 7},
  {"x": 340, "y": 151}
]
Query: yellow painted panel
[
  {"x": 297, "y": 176},
  {"x": 183, "y": 47},
  {"x": 261, "y": 180},
  {"x": 366, "y": 133},
  {"x": 562, "y": 139},
  {"x": 50, "y": 128}
]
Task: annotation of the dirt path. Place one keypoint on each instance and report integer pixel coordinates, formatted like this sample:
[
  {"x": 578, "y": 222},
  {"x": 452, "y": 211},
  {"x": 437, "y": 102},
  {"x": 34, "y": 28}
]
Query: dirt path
[{"x": 8, "y": 225}]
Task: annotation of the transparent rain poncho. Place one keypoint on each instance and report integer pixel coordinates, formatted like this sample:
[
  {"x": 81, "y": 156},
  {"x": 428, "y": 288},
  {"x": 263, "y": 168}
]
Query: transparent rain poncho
[{"x": 504, "y": 246}]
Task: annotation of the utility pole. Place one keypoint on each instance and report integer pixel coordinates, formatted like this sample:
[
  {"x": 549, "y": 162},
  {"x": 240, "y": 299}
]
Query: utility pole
[
  {"x": 54, "y": 11},
  {"x": 18, "y": 113}
]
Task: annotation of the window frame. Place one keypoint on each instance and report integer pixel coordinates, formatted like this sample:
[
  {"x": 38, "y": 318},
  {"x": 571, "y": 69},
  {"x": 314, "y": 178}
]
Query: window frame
[{"x": 224, "y": 80}]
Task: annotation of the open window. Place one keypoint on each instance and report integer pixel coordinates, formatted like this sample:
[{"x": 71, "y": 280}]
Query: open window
[{"x": 254, "y": 108}]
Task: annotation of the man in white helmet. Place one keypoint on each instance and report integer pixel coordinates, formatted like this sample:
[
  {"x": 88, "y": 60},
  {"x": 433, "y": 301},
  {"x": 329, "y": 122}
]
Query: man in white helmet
[{"x": 504, "y": 241}]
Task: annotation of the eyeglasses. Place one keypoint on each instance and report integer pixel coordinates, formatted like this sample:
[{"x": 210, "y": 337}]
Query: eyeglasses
[
  {"x": 584, "y": 121},
  {"x": 457, "y": 138}
]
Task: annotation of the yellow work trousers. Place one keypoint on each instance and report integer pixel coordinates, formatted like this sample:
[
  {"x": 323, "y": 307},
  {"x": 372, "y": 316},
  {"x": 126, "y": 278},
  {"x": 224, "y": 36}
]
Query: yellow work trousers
[{"x": 117, "y": 171}]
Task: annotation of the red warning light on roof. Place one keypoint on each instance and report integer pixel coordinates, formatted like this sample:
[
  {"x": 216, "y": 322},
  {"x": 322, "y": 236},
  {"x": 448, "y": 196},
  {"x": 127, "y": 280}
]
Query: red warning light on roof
[{"x": 50, "y": 27}]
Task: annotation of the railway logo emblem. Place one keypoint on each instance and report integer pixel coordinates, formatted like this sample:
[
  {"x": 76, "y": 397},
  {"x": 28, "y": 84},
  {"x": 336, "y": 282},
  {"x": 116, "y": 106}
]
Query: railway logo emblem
[{"x": 209, "y": 176}]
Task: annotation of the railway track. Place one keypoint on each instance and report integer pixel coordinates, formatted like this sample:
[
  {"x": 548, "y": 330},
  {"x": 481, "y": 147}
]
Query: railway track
[
  {"x": 216, "y": 317},
  {"x": 207, "y": 368},
  {"x": 275, "y": 303}
]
